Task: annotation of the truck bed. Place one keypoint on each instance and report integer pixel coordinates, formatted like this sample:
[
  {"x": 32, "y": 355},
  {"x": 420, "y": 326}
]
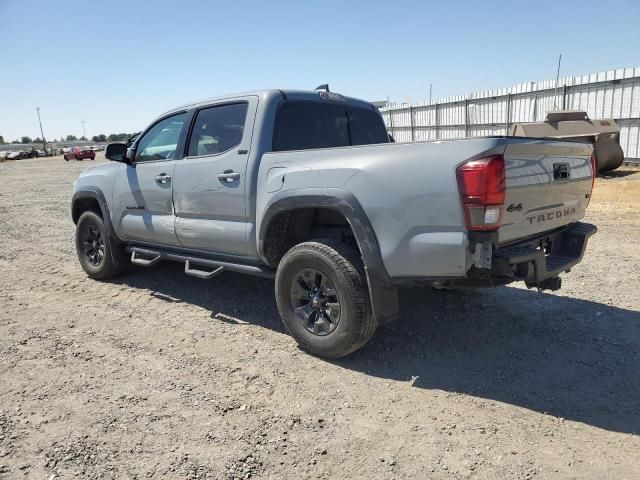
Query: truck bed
[{"x": 411, "y": 196}]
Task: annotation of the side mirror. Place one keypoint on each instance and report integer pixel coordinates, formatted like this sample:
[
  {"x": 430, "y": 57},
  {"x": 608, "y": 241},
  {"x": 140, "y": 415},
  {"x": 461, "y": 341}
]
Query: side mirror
[{"x": 116, "y": 152}]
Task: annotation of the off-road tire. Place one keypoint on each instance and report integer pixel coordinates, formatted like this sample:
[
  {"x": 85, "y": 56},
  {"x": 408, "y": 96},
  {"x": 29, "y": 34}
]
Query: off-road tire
[
  {"x": 105, "y": 268},
  {"x": 342, "y": 265}
]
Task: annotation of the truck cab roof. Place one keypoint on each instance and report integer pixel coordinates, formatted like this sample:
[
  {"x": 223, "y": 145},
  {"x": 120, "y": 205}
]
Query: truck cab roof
[{"x": 284, "y": 94}]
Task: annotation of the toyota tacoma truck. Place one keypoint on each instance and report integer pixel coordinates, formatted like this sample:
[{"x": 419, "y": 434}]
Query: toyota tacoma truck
[{"x": 306, "y": 187}]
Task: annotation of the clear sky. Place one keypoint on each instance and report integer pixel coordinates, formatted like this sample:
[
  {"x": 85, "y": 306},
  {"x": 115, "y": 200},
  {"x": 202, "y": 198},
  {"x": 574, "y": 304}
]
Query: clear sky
[{"x": 117, "y": 64}]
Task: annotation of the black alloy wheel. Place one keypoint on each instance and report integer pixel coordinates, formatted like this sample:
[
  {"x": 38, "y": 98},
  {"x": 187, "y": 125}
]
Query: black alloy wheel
[
  {"x": 315, "y": 301},
  {"x": 93, "y": 243}
]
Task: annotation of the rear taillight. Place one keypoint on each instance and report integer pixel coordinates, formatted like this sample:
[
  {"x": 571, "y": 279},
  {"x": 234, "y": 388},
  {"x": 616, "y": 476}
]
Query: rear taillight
[
  {"x": 594, "y": 172},
  {"x": 482, "y": 188}
]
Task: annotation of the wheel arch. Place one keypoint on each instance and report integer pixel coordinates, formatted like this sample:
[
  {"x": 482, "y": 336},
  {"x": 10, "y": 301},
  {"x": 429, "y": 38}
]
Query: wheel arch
[
  {"x": 93, "y": 199},
  {"x": 89, "y": 199},
  {"x": 383, "y": 295}
]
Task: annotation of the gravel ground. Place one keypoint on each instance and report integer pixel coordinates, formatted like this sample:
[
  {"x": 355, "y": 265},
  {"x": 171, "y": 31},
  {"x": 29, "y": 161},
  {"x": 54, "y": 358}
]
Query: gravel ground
[{"x": 159, "y": 375}]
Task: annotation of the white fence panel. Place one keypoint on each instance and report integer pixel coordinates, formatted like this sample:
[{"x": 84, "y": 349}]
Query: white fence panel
[{"x": 612, "y": 94}]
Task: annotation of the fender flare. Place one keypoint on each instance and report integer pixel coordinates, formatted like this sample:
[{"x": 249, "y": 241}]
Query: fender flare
[
  {"x": 116, "y": 246},
  {"x": 382, "y": 292}
]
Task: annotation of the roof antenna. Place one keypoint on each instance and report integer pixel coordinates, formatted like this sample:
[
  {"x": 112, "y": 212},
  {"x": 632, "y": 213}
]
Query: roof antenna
[{"x": 324, "y": 87}]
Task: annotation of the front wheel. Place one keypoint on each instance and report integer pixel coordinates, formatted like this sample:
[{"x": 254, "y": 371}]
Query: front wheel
[
  {"x": 322, "y": 297},
  {"x": 93, "y": 248}
]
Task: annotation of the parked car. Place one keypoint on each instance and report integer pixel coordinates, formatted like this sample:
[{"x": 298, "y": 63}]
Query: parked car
[
  {"x": 306, "y": 188},
  {"x": 79, "y": 153},
  {"x": 18, "y": 155}
]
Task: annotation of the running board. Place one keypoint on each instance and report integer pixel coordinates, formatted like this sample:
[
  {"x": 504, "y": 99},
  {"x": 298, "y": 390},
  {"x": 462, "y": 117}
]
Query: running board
[
  {"x": 194, "y": 272},
  {"x": 145, "y": 262},
  {"x": 147, "y": 257}
]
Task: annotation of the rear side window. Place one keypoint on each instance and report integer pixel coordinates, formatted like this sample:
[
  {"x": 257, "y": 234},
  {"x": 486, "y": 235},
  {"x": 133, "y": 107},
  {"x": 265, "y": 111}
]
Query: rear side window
[
  {"x": 306, "y": 125},
  {"x": 366, "y": 127},
  {"x": 217, "y": 129}
]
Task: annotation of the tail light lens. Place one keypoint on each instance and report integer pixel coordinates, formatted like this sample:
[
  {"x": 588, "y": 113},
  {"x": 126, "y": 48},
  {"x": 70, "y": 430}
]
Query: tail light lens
[
  {"x": 594, "y": 172},
  {"x": 482, "y": 190}
]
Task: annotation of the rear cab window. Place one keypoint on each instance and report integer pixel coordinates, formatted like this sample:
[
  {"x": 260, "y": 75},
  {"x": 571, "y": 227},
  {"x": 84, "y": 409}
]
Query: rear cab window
[{"x": 302, "y": 125}]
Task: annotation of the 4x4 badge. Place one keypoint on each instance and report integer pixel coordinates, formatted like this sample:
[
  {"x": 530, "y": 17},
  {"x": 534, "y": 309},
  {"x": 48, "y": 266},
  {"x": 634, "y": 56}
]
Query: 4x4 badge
[{"x": 514, "y": 208}]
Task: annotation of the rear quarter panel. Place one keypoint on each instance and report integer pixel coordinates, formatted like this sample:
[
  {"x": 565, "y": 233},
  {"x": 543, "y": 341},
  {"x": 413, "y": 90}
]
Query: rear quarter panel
[{"x": 408, "y": 191}]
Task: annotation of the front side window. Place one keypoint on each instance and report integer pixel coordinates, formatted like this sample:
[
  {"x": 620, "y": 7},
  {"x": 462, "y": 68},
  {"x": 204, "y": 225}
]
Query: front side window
[
  {"x": 217, "y": 129},
  {"x": 161, "y": 141}
]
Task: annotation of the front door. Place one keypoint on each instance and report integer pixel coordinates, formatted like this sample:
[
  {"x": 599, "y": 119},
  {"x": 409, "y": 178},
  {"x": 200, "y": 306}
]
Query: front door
[
  {"x": 209, "y": 189},
  {"x": 143, "y": 206}
]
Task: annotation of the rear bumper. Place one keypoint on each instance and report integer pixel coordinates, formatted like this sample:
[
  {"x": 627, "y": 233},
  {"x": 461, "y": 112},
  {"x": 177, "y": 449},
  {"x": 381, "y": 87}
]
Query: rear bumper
[{"x": 538, "y": 260}]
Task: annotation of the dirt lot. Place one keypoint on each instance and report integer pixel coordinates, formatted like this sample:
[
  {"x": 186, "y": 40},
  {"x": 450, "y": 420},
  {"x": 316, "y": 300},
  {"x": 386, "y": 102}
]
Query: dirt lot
[{"x": 159, "y": 375}]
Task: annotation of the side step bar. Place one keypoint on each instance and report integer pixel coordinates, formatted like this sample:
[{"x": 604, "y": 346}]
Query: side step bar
[
  {"x": 146, "y": 257},
  {"x": 194, "y": 272},
  {"x": 136, "y": 260}
]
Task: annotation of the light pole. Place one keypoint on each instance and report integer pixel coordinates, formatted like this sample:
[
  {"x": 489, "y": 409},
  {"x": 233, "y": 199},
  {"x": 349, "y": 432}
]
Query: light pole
[
  {"x": 44, "y": 142},
  {"x": 555, "y": 90},
  {"x": 84, "y": 132}
]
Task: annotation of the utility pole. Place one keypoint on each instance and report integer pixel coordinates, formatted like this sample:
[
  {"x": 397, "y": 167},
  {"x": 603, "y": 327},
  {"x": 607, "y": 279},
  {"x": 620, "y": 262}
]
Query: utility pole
[
  {"x": 44, "y": 142},
  {"x": 84, "y": 132},
  {"x": 555, "y": 90}
]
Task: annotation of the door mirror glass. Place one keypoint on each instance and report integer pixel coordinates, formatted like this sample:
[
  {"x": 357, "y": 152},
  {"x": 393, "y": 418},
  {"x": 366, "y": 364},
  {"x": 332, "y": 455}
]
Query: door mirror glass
[{"x": 116, "y": 152}]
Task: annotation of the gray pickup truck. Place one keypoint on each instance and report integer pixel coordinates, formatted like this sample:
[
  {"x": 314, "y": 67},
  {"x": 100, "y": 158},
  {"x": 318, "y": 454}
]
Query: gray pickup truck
[{"x": 306, "y": 187}]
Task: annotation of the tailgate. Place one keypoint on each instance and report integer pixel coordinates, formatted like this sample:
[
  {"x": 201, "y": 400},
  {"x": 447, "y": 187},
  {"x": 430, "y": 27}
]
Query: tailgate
[{"x": 548, "y": 185}]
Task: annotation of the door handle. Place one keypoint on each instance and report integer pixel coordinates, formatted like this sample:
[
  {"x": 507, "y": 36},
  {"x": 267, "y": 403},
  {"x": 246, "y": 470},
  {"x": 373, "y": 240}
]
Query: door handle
[
  {"x": 163, "y": 178},
  {"x": 229, "y": 176}
]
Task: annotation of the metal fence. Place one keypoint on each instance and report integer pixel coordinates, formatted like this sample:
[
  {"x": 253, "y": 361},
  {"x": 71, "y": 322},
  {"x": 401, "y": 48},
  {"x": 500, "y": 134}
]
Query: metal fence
[{"x": 613, "y": 94}]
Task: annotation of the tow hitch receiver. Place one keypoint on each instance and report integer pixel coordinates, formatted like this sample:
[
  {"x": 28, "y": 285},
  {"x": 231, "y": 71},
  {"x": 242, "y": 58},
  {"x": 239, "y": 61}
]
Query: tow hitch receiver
[
  {"x": 553, "y": 284},
  {"x": 540, "y": 261}
]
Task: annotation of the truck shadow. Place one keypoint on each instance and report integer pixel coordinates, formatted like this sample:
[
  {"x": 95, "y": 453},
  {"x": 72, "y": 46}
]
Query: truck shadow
[
  {"x": 566, "y": 357},
  {"x": 617, "y": 174},
  {"x": 562, "y": 356}
]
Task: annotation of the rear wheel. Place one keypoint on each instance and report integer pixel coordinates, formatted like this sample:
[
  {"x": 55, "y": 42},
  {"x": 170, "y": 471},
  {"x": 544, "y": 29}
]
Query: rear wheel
[
  {"x": 322, "y": 297},
  {"x": 92, "y": 247}
]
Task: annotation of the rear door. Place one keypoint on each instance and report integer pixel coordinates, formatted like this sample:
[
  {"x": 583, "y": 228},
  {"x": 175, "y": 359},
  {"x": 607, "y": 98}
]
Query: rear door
[
  {"x": 548, "y": 185},
  {"x": 210, "y": 183},
  {"x": 143, "y": 207}
]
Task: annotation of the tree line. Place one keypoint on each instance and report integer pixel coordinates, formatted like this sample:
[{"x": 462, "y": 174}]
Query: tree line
[{"x": 113, "y": 137}]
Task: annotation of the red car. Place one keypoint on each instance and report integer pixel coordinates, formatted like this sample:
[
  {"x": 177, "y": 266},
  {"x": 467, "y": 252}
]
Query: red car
[{"x": 79, "y": 153}]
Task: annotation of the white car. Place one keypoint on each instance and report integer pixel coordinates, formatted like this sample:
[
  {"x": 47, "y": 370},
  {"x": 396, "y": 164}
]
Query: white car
[{"x": 17, "y": 155}]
